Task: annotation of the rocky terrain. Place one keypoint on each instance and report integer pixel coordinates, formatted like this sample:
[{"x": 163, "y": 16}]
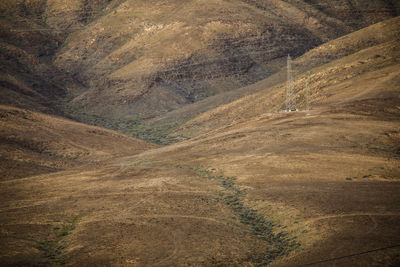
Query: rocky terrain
[
  {"x": 135, "y": 60},
  {"x": 244, "y": 182},
  {"x": 327, "y": 71},
  {"x": 149, "y": 57}
]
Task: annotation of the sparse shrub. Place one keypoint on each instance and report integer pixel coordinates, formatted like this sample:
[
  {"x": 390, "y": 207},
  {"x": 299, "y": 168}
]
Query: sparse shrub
[
  {"x": 157, "y": 134},
  {"x": 281, "y": 243},
  {"x": 52, "y": 248}
]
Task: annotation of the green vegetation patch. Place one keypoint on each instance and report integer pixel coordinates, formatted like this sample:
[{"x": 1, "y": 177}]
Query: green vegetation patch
[
  {"x": 52, "y": 248},
  {"x": 280, "y": 244},
  {"x": 157, "y": 134}
]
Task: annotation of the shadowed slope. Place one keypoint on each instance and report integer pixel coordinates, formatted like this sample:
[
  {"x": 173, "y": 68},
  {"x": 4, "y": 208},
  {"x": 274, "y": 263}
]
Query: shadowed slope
[
  {"x": 249, "y": 181},
  {"x": 28, "y": 79},
  {"x": 125, "y": 62},
  {"x": 34, "y": 143},
  {"x": 335, "y": 49},
  {"x": 144, "y": 58},
  {"x": 361, "y": 57}
]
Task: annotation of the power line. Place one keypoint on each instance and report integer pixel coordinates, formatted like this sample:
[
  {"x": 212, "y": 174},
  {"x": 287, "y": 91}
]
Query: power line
[{"x": 348, "y": 256}]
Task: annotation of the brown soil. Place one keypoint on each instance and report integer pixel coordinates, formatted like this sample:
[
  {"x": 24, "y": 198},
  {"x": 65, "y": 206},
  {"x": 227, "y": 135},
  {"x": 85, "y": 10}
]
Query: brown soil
[
  {"x": 33, "y": 143},
  {"x": 328, "y": 177},
  {"x": 149, "y": 209}
]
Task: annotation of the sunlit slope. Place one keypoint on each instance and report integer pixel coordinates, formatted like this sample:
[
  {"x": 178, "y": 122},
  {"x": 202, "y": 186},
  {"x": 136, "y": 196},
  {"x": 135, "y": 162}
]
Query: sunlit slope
[
  {"x": 329, "y": 175},
  {"x": 336, "y": 49},
  {"x": 34, "y": 143},
  {"x": 248, "y": 182},
  {"x": 366, "y": 69},
  {"x": 329, "y": 180},
  {"x": 144, "y": 58},
  {"x": 139, "y": 59}
]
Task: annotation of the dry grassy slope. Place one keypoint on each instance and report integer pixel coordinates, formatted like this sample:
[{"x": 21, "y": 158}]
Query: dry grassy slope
[
  {"x": 33, "y": 143},
  {"x": 71, "y": 15},
  {"x": 147, "y": 57},
  {"x": 146, "y": 210},
  {"x": 57, "y": 14},
  {"x": 369, "y": 54},
  {"x": 28, "y": 79},
  {"x": 30, "y": 33},
  {"x": 330, "y": 179},
  {"x": 332, "y": 50}
]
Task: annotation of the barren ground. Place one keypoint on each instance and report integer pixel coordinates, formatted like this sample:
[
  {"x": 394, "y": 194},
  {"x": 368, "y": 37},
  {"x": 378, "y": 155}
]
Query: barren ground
[
  {"x": 317, "y": 177},
  {"x": 254, "y": 186}
]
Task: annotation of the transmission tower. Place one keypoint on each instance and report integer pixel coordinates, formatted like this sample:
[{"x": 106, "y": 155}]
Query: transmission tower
[
  {"x": 290, "y": 105},
  {"x": 307, "y": 96}
]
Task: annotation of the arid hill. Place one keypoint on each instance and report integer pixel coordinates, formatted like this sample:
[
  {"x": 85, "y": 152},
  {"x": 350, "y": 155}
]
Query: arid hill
[
  {"x": 33, "y": 143},
  {"x": 374, "y": 35},
  {"x": 144, "y": 58},
  {"x": 134, "y": 60},
  {"x": 327, "y": 71},
  {"x": 252, "y": 187},
  {"x": 28, "y": 78}
]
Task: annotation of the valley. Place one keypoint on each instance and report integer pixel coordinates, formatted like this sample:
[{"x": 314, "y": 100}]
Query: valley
[{"x": 201, "y": 165}]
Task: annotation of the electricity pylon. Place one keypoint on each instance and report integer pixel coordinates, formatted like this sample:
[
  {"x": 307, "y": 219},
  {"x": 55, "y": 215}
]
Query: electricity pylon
[
  {"x": 307, "y": 96},
  {"x": 290, "y": 105}
]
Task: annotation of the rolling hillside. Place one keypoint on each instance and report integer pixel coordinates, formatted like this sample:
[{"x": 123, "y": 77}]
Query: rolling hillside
[
  {"x": 145, "y": 58},
  {"x": 253, "y": 186},
  {"x": 135, "y": 60},
  {"x": 353, "y": 61},
  {"x": 33, "y": 143},
  {"x": 377, "y": 34}
]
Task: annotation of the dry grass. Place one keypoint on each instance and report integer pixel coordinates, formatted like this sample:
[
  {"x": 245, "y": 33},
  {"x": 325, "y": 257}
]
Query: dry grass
[
  {"x": 150, "y": 57},
  {"x": 147, "y": 210},
  {"x": 345, "y": 79},
  {"x": 34, "y": 143},
  {"x": 328, "y": 179}
]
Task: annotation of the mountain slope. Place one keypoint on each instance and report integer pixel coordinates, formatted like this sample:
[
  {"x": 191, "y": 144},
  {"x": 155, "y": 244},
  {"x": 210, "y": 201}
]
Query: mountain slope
[
  {"x": 232, "y": 196},
  {"x": 284, "y": 189},
  {"x": 360, "y": 57},
  {"x": 33, "y": 143},
  {"x": 118, "y": 63},
  {"x": 335, "y": 49},
  {"x": 144, "y": 58},
  {"x": 30, "y": 34},
  {"x": 28, "y": 78}
]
